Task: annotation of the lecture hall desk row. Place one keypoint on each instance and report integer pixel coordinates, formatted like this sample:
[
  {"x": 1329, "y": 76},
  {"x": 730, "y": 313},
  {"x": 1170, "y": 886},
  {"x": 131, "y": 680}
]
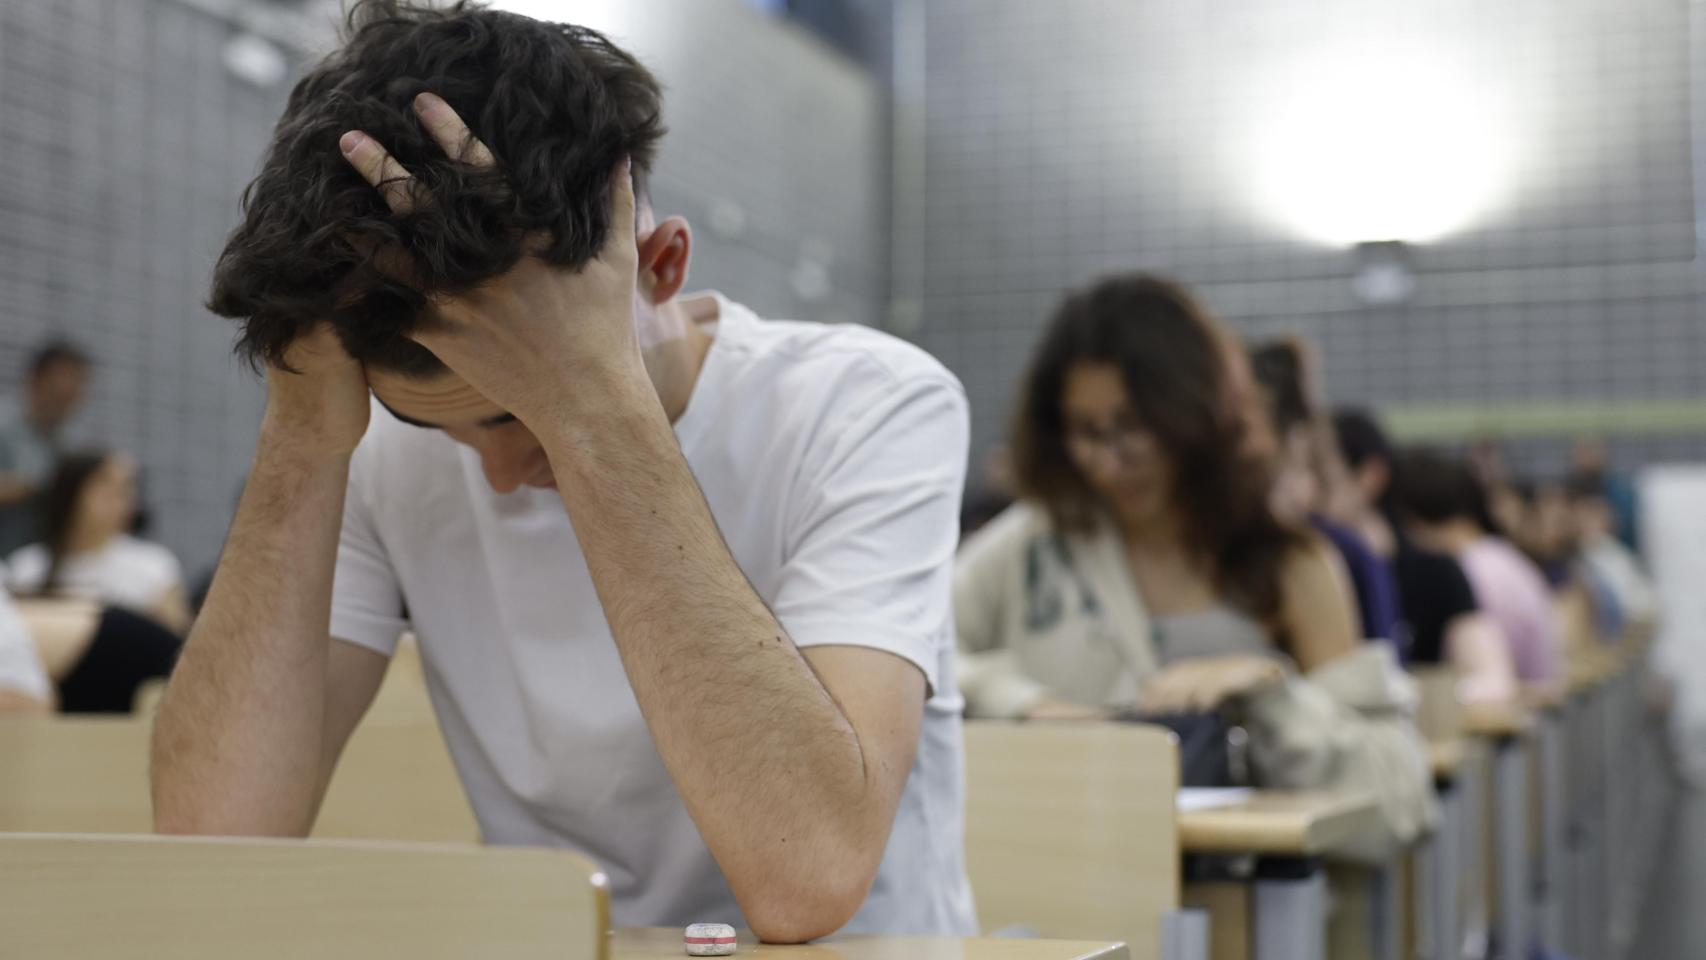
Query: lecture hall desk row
[
  {"x": 1550, "y": 808},
  {"x": 1539, "y": 800}
]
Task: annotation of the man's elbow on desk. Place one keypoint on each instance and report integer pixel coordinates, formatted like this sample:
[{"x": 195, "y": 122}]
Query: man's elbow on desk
[
  {"x": 803, "y": 891},
  {"x": 784, "y": 913}
]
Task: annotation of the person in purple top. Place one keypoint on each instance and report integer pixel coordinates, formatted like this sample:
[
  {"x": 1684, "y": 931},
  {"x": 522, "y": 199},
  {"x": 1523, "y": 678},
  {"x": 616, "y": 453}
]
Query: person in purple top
[{"x": 1310, "y": 469}]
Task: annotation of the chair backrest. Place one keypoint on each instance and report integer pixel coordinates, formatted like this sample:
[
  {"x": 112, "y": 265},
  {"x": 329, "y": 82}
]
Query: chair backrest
[
  {"x": 403, "y": 695},
  {"x": 1072, "y": 829},
  {"x": 396, "y": 782},
  {"x": 74, "y": 774},
  {"x": 65, "y": 895},
  {"x": 90, "y": 775}
]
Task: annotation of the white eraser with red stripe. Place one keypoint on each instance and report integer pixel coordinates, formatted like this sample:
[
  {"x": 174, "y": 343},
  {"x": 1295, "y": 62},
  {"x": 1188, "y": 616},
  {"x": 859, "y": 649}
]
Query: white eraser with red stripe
[{"x": 709, "y": 940}]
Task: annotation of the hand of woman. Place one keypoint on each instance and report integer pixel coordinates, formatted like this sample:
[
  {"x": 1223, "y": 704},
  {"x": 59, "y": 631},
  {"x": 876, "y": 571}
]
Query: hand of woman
[{"x": 1203, "y": 683}]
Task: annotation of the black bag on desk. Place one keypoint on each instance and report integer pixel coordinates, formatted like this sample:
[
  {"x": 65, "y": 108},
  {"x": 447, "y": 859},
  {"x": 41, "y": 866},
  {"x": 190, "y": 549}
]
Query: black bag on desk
[{"x": 1212, "y": 749}]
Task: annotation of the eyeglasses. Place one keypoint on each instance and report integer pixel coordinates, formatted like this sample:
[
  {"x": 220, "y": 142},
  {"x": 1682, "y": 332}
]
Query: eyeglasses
[{"x": 1126, "y": 441}]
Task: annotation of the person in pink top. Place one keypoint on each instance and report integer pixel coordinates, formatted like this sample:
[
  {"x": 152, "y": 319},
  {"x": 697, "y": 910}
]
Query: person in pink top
[{"x": 1443, "y": 508}]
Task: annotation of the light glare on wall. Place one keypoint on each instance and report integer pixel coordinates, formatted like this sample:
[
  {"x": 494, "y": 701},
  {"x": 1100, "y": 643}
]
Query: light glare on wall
[
  {"x": 1389, "y": 145},
  {"x": 605, "y": 16}
]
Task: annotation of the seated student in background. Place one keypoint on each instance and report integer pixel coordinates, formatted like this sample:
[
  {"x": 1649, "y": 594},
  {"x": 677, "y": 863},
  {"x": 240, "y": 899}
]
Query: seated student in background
[
  {"x": 1442, "y": 507},
  {"x": 1550, "y": 539},
  {"x": 1613, "y": 569},
  {"x": 57, "y": 378},
  {"x": 681, "y": 575},
  {"x": 1144, "y": 567},
  {"x": 1591, "y": 457},
  {"x": 1312, "y": 480},
  {"x": 1440, "y": 620},
  {"x": 24, "y": 684},
  {"x": 86, "y": 551},
  {"x": 97, "y": 659}
]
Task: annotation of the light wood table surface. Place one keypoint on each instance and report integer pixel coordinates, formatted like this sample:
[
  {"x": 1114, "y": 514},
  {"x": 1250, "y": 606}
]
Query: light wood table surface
[
  {"x": 665, "y": 944},
  {"x": 1497, "y": 719},
  {"x": 1592, "y": 666},
  {"x": 1446, "y": 758},
  {"x": 1278, "y": 823},
  {"x": 1542, "y": 697}
]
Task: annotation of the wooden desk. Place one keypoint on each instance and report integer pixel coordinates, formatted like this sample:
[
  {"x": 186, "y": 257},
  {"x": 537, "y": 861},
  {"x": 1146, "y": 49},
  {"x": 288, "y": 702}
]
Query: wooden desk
[
  {"x": 1497, "y": 719},
  {"x": 1446, "y": 758},
  {"x": 1069, "y": 830},
  {"x": 665, "y": 944},
  {"x": 1542, "y": 697},
  {"x": 1590, "y": 670},
  {"x": 1303, "y": 824},
  {"x": 1507, "y": 728},
  {"x": 1447, "y": 874},
  {"x": 1286, "y": 902}
]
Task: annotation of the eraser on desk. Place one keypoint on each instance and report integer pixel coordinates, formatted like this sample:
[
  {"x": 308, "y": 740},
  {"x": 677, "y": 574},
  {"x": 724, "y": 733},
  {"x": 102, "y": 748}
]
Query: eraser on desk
[{"x": 709, "y": 940}]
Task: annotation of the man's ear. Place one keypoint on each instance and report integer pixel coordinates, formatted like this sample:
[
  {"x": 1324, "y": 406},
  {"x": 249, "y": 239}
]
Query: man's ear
[{"x": 664, "y": 254}]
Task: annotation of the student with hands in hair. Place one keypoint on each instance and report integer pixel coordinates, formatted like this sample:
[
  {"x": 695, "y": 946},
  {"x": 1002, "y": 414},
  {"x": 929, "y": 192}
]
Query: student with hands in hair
[{"x": 680, "y": 575}]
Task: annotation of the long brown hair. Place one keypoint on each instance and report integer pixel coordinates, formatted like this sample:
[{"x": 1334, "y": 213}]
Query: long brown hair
[
  {"x": 1190, "y": 385},
  {"x": 60, "y": 500}
]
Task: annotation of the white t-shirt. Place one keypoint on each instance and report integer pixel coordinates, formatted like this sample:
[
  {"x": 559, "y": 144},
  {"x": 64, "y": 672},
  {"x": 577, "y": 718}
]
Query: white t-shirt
[
  {"x": 832, "y": 458},
  {"x": 21, "y": 670},
  {"x": 126, "y": 572}
]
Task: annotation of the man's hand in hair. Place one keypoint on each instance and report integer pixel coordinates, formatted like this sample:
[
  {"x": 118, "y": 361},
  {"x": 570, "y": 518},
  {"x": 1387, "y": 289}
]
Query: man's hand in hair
[
  {"x": 320, "y": 403},
  {"x": 540, "y": 339}
]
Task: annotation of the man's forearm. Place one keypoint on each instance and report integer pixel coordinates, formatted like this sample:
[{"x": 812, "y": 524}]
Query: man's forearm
[
  {"x": 770, "y": 768},
  {"x": 238, "y": 746}
]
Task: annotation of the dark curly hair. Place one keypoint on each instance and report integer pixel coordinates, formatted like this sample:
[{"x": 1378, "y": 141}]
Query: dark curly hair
[
  {"x": 1189, "y": 384},
  {"x": 557, "y": 105}
]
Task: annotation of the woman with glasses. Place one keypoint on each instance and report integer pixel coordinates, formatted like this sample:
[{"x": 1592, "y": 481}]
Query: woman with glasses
[{"x": 1144, "y": 569}]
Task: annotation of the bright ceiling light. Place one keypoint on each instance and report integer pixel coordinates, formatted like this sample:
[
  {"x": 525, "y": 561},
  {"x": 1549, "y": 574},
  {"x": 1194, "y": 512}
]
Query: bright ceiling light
[
  {"x": 1369, "y": 145},
  {"x": 606, "y": 16}
]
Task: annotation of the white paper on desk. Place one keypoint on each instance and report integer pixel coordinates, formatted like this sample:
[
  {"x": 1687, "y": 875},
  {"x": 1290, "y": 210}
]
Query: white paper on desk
[{"x": 1208, "y": 798}]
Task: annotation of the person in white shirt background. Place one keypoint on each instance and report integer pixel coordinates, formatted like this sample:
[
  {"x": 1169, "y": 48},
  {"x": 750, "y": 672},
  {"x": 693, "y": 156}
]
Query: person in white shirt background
[
  {"x": 102, "y": 611},
  {"x": 24, "y": 684},
  {"x": 74, "y": 656},
  {"x": 86, "y": 551},
  {"x": 680, "y": 575}
]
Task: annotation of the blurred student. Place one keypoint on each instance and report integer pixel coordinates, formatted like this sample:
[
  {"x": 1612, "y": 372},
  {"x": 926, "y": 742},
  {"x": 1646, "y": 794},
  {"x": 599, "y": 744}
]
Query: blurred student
[
  {"x": 1589, "y": 456},
  {"x": 24, "y": 684},
  {"x": 86, "y": 551},
  {"x": 1144, "y": 566},
  {"x": 1441, "y": 622},
  {"x": 1605, "y": 559},
  {"x": 1549, "y": 538},
  {"x": 96, "y": 658},
  {"x": 1311, "y": 486},
  {"x": 1442, "y": 507},
  {"x": 29, "y": 442}
]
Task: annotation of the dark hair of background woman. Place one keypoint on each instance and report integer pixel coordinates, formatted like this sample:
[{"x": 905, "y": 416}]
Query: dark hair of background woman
[
  {"x": 1188, "y": 381},
  {"x": 1281, "y": 367},
  {"x": 59, "y": 510},
  {"x": 1434, "y": 487}
]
